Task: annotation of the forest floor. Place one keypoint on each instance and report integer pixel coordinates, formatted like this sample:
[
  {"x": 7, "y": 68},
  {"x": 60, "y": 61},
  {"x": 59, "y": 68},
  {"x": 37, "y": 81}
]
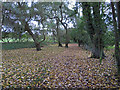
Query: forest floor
[{"x": 55, "y": 67}]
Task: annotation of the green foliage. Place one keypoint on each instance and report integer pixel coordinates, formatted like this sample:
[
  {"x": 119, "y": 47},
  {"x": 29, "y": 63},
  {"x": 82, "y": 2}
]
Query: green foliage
[
  {"x": 79, "y": 33},
  {"x": 109, "y": 38}
]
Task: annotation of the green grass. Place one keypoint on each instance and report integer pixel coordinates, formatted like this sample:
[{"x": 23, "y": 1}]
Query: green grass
[
  {"x": 13, "y": 40},
  {"x": 17, "y": 45},
  {"x": 111, "y": 47}
]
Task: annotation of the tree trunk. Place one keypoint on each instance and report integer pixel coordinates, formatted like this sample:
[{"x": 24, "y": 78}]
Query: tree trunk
[
  {"x": 66, "y": 45},
  {"x": 79, "y": 43},
  {"x": 98, "y": 51},
  {"x": 88, "y": 19},
  {"x": 94, "y": 30},
  {"x": 38, "y": 47},
  {"x": 117, "y": 51},
  {"x": 59, "y": 42},
  {"x": 118, "y": 15},
  {"x": 37, "y": 44},
  {"x": 58, "y": 33},
  {"x": 67, "y": 41},
  {"x": 20, "y": 35},
  {"x": 75, "y": 40},
  {"x": 65, "y": 26},
  {"x": 118, "y": 38}
]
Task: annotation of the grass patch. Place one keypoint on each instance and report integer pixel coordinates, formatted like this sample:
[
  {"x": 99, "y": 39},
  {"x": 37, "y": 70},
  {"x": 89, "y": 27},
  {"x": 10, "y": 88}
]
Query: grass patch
[
  {"x": 111, "y": 47},
  {"x": 18, "y": 45}
]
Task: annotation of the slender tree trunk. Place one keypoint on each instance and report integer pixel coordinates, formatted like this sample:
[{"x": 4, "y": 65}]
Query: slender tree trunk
[
  {"x": 58, "y": 33},
  {"x": 66, "y": 45},
  {"x": 117, "y": 51},
  {"x": 118, "y": 38},
  {"x": 8, "y": 40},
  {"x": 118, "y": 15},
  {"x": 79, "y": 43},
  {"x": 19, "y": 36},
  {"x": 67, "y": 41},
  {"x": 59, "y": 42},
  {"x": 65, "y": 26},
  {"x": 53, "y": 38}
]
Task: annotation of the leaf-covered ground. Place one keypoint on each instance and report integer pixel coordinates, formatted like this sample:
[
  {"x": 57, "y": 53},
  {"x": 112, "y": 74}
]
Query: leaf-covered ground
[{"x": 57, "y": 67}]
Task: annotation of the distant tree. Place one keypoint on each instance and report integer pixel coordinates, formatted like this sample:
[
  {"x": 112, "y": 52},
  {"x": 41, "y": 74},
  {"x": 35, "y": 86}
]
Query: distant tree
[
  {"x": 79, "y": 34},
  {"x": 62, "y": 14}
]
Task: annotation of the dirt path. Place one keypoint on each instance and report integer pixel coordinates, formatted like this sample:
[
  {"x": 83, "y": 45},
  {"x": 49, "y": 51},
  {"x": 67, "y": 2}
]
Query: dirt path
[{"x": 72, "y": 68}]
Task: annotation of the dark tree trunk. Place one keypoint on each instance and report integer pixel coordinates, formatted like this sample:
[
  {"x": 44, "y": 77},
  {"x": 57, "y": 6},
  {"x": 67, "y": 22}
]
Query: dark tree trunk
[
  {"x": 98, "y": 51},
  {"x": 64, "y": 25},
  {"x": 118, "y": 15},
  {"x": 118, "y": 38},
  {"x": 54, "y": 35},
  {"x": 66, "y": 45},
  {"x": 8, "y": 40},
  {"x": 79, "y": 43},
  {"x": 59, "y": 44},
  {"x": 27, "y": 28},
  {"x": 67, "y": 40},
  {"x": 94, "y": 30},
  {"x": 58, "y": 33},
  {"x": 54, "y": 39},
  {"x": 75, "y": 40},
  {"x": 37, "y": 44},
  {"x": 117, "y": 51},
  {"x": 20, "y": 35},
  {"x": 88, "y": 19},
  {"x": 38, "y": 47}
]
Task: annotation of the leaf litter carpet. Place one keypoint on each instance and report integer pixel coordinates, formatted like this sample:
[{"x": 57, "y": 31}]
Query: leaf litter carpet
[{"x": 55, "y": 67}]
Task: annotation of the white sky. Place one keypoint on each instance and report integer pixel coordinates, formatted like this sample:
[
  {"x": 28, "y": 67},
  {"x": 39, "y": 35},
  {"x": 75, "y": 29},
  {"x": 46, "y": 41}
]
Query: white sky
[{"x": 72, "y": 3}]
